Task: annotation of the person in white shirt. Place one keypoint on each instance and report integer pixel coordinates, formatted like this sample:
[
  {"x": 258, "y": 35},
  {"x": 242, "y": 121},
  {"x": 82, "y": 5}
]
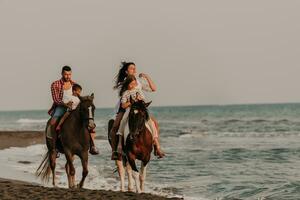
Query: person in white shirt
[
  {"x": 71, "y": 95},
  {"x": 130, "y": 90},
  {"x": 145, "y": 83}
]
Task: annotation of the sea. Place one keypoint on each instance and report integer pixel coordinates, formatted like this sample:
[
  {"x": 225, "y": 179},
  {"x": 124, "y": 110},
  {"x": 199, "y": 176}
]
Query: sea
[{"x": 212, "y": 152}]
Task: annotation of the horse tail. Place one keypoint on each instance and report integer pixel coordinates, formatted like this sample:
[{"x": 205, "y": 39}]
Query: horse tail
[{"x": 44, "y": 169}]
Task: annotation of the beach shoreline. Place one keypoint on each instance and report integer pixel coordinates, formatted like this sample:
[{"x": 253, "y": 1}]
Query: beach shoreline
[
  {"x": 16, "y": 187},
  {"x": 20, "y": 138}
]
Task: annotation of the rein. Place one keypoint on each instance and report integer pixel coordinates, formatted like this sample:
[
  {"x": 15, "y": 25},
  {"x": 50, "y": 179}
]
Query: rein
[
  {"x": 87, "y": 121},
  {"x": 90, "y": 117}
]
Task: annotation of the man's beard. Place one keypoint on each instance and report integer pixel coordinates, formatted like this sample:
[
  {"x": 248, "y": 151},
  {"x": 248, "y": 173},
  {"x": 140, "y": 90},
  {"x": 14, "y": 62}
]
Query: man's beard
[{"x": 66, "y": 80}]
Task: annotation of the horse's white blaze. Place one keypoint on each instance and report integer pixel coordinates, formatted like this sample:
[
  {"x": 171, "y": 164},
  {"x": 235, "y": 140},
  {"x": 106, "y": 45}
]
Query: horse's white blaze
[
  {"x": 136, "y": 111},
  {"x": 91, "y": 117},
  {"x": 90, "y": 112}
]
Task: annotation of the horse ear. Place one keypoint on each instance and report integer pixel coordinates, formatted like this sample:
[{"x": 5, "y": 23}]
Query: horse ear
[
  {"x": 93, "y": 96},
  {"x": 80, "y": 98},
  {"x": 148, "y": 104}
]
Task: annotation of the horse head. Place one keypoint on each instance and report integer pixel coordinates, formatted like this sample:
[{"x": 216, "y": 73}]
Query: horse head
[
  {"x": 138, "y": 116},
  {"x": 87, "y": 111}
]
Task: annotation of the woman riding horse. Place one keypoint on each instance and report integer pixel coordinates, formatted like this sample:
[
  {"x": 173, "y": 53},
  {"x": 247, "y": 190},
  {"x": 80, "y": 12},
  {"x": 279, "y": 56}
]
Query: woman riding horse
[{"x": 129, "y": 68}]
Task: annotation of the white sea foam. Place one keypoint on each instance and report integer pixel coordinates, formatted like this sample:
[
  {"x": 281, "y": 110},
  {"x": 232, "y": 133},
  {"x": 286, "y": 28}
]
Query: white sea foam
[{"x": 31, "y": 121}]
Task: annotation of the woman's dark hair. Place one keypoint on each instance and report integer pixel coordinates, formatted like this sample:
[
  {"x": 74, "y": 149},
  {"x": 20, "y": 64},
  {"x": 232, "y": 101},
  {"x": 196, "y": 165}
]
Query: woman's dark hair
[
  {"x": 125, "y": 84},
  {"x": 122, "y": 74},
  {"x": 66, "y": 68},
  {"x": 76, "y": 87}
]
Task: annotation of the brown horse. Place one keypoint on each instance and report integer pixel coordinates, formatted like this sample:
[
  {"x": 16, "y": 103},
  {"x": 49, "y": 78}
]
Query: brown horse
[
  {"x": 138, "y": 145},
  {"x": 74, "y": 140}
]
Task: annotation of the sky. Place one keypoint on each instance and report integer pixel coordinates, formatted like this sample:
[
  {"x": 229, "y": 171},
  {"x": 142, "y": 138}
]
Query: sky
[{"x": 197, "y": 52}]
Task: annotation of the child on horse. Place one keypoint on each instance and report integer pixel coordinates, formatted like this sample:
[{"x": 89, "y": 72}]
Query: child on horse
[
  {"x": 74, "y": 98},
  {"x": 129, "y": 90}
]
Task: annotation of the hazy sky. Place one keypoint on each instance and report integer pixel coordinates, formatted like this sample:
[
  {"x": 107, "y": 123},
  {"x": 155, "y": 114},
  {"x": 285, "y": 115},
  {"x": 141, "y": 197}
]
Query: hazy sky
[{"x": 197, "y": 52}]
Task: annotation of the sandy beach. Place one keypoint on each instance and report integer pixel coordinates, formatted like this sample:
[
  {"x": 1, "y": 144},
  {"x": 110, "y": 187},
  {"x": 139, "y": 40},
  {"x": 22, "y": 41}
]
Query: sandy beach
[
  {"x": 10, "y": 189},
  {"x": 20, "y": 138},
  {"x": 15, "y": 189}
]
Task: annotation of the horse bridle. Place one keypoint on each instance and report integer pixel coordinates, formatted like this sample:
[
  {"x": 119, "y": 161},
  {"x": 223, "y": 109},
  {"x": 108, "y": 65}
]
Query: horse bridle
[
  {"x": 90, "y": 119},
  {"x": 138, "y": 129}
]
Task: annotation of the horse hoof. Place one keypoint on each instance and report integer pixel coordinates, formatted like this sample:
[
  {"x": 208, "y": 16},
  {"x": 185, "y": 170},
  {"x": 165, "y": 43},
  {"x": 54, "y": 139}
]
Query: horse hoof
[
  {"x": 72, "y": 187},
  {"x": 130, "y": 190}
]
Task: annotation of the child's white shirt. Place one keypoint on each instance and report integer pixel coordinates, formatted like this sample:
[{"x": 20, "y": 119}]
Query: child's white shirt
[
  {"x": 134, "y": 93},
  {"x": 73, "y": 99}
]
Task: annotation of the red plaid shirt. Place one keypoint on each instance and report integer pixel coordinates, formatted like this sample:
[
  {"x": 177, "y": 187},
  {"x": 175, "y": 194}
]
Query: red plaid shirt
[{"x": 57, "y": 92}]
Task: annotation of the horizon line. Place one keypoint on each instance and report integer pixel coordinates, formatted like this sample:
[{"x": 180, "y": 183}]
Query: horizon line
[{"x": 178, "y": 105}]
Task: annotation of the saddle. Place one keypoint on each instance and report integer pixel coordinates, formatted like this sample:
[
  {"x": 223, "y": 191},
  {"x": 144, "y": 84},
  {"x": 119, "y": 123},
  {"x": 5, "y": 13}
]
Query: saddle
[{"x": 49, "y": 136}]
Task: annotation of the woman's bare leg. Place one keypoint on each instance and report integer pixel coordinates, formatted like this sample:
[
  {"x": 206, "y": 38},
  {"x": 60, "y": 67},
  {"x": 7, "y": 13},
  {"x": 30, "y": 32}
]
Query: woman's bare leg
[{"x": 155, "y": 131}]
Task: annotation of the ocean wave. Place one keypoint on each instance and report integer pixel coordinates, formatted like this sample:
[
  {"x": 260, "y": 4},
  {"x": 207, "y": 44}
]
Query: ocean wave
[
  {"x": 233, "y": 121},
  {"x": 229, "y": 121},
  {"x": 31, "y": 121},
  {"x": 254, "y": 121},
  {"x": 272, "y": 134},
  {"x": 187, "y": 122},
  {"x": 192, "y": 135}
]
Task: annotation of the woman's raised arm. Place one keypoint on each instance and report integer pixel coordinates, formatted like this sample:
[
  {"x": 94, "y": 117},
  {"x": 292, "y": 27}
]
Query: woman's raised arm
[{"x": 149, "y": 80}]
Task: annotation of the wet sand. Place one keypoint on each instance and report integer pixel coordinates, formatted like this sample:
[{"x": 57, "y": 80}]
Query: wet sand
[
  {"x": 24, "y": 138},
  {"x": 20, "y": 138},
  {"x": 11, "y": 190}
]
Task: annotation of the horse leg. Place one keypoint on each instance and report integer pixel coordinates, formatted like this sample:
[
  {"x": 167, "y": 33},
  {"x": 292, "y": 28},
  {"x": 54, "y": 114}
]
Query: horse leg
[
  {"x": 131, "y": 160},
  {"x": 156, "y": 124},
  {"x": 70, "y": 169},
  {"x": 52, "y": 165},
  {"x": 68, "y": 174},
  {"x": 73, "y": 175},
  {"x": 52, "y": 156},
  {"x": 121, "y": 172},
  {"x": 84, "y": 162},
  {"x": 130, "y": 178},
  {"x": 136, "y": 179},
  {"x": 143, "y": 173}
]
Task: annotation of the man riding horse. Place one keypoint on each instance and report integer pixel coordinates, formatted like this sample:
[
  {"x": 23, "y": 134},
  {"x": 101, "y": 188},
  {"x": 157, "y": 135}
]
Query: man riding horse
[{"x": 61, "y": 91}]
